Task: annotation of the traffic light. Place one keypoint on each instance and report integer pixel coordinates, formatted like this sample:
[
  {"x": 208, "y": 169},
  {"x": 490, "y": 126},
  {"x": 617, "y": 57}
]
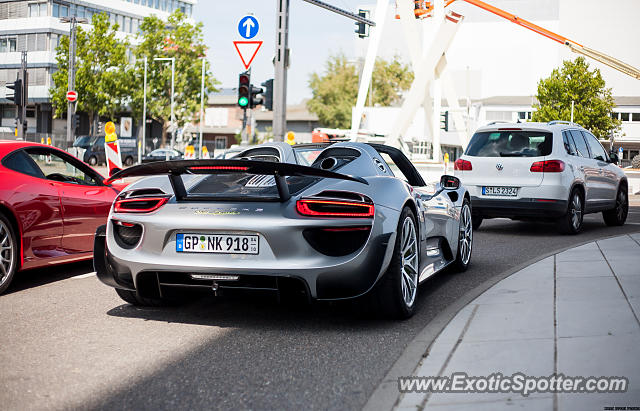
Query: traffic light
[
  {"x": 362, "y": 29},
  {"x": 244, "y": 87},
  {"x": 256, "y": 96},
  {"x": 16, "y": 97},
  {"x": 75, "y": 121},
  {"x": 268, "y": 94},
  {"x": 444, "y": 121}
]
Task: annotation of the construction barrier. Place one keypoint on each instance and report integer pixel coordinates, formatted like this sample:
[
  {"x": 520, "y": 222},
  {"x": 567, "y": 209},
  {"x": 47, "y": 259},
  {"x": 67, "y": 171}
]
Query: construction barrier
[
  {"x": 189, "y": 152},
  {"x": 112, "y": 147},
  {"x": 205, "y": 152}
]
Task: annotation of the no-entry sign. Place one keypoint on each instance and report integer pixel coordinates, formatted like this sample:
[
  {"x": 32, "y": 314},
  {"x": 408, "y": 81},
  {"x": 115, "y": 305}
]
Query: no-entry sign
[{"x": 72, "y": 96}]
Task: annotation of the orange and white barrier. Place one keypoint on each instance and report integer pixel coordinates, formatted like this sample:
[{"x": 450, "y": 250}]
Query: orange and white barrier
[
  {"x": 112, "y": 147},
  {"x": 205, "y": 152},
  {"x": 189, "y": 153}
]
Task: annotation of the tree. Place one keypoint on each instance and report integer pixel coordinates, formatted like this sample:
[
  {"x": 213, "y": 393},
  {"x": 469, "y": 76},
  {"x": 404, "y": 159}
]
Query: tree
[
  {"x": 101, "y": 66},
  {"x": 335, "y": 92},
  {"x": 174, "y": 38},
  {"x": 593, "y": 102}
]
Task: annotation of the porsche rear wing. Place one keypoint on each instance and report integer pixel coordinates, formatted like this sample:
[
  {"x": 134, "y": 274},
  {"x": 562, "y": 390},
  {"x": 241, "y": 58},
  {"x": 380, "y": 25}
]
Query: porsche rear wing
[{"x": 175, "y": 168}]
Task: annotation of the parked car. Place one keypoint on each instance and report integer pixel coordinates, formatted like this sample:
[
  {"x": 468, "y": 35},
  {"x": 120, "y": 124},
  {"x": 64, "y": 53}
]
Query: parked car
[
  {"x": 555, "y": 171},
  {"x": 50, "y": 206},
  {"x": 162, "y": 154},
  {"x": 95, "y": 153}
]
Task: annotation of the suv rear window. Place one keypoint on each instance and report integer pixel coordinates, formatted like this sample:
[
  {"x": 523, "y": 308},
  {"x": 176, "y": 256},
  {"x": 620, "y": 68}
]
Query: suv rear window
[{"x": 510, "y": 143}]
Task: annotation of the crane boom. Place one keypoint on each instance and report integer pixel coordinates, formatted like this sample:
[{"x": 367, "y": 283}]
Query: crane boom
[{"x": 573, "y": 46}]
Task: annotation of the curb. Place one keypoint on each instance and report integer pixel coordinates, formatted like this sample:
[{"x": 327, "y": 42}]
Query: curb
[{"x": 386, "y": 394}]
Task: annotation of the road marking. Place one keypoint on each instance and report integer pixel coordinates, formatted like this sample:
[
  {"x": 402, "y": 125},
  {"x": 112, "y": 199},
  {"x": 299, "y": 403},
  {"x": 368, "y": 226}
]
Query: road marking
[{"x": 85, "y": 275}]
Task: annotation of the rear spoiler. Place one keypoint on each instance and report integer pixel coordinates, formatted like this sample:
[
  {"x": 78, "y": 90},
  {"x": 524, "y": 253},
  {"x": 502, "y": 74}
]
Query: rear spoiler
[{"x": 175, "y": 168}]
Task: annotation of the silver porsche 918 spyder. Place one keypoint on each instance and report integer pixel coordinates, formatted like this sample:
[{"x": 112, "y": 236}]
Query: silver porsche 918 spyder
[{"x": 331, "y": 221}]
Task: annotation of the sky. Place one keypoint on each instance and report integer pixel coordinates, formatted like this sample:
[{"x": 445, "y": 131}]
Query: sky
[{"x": 314, "y": 35}]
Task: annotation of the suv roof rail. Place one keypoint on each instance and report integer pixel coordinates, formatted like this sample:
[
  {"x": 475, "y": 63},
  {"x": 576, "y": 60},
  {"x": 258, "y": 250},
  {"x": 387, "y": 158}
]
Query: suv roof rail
[
  {"x": 563, "y": 122},
  {"x": 499, "y": 121}
]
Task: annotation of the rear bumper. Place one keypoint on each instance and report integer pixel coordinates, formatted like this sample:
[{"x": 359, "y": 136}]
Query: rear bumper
[
  {"x": 342, "y": 281},
  {"x": 523, "y": 207}
]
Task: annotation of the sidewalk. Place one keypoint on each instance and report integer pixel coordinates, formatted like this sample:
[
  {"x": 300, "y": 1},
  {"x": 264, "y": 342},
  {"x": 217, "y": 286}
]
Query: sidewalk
[{"x": 574, "y": 313}]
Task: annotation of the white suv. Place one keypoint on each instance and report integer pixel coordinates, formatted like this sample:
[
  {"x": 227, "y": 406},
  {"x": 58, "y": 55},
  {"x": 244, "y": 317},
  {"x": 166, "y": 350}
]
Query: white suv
[{"x": 556, "y": 170}]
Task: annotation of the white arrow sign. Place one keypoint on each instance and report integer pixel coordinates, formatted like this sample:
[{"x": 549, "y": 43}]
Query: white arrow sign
[{"x": 248, "y": 24}]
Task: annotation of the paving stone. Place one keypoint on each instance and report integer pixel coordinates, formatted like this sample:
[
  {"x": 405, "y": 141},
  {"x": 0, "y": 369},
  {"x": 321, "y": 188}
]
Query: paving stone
[
  {"x": 523, "y": 404},
  {"x": 595, "y": 317},
  {"x": 587, "y": 289},
  {"x": 601, "y": 356},
  {"x": 630, "y": 285},
  {"x": 494, "y": 322},
  {"x": 598, "y": 268}
]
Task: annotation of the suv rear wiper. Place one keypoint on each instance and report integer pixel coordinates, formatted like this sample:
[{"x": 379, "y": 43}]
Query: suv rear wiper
[{"x": 512, "y": 154}]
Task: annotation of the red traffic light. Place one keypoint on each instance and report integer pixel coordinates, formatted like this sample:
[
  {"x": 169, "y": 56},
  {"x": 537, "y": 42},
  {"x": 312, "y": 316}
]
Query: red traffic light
[{"x": 244, "y": 79}]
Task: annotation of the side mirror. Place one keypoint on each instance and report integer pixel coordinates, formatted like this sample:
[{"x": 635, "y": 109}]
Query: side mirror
[
  {"x": 449, "y": 182},
  {"x": 613, "y": 158},
  {"x": 113, "y": 171}
]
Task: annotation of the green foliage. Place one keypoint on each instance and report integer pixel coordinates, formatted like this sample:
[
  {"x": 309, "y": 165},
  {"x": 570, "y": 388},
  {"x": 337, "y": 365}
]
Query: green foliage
[
  {"x": 179, "y": 39},
  {"x": 593, "y": 102},
  {"x": 336, "y": 90},
  {"x": 101, "y": 67}
]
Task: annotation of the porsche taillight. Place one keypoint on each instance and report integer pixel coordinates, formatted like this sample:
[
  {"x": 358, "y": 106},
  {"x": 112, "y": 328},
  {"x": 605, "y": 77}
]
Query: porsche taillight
[
  {"x": 334, "y": 208},
  {"x": 139, "y": 205}
]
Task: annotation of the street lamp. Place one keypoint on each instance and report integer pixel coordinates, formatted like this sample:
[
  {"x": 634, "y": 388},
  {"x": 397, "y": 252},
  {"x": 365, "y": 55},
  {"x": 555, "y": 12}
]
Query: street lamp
[
  {"x": 173, "y": 77},
  {"x": 71, "y": 82}
]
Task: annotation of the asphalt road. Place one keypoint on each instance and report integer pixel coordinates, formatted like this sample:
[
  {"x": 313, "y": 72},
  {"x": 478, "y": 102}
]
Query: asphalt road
[{"x": 67, "y": 341}]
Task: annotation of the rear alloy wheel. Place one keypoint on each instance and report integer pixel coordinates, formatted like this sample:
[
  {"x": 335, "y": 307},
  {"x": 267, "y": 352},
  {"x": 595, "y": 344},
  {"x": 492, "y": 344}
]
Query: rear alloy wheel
[
  {"x": 571, "y": 222},
  {"x": 395, "y": 294},
  {"x": 93, "y": 161},
  {"x": 465, "y": 237},
  {"x": 8, "y": 253},
  {"x": 128, "y": 161},
  {"x": 618, "y": 215}
]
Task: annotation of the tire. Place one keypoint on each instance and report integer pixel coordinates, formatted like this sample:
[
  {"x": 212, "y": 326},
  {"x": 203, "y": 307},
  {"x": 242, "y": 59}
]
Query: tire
[
  {"x": 571, "y": 222},
  {"x": 8, "y": 253},
  {"x": 476, "y": 221},
  {"x": 465, "y": 237},
  {"x": 395, "y": 294},
  {"x": 93, "y": 161},
  {"x": 133, "y": 298},
  {"x": 128, "y": 161},
  {"x": 618, "y": 215}
]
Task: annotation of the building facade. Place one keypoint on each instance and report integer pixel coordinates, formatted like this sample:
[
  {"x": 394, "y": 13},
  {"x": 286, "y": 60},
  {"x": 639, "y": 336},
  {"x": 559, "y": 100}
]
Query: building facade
[{"x": 34, "y": 26}]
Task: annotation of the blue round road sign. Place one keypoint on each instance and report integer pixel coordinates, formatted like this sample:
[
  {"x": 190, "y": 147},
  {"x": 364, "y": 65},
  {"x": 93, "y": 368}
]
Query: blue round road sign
[{"x": 248, "y": 27}]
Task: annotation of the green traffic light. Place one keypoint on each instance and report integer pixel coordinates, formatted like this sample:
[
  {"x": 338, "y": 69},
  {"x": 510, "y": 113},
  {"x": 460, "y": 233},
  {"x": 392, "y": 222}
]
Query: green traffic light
[{"x": 243, "y": 101}]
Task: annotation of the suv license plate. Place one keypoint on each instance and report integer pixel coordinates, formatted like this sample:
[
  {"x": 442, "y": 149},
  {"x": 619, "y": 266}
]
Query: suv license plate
[
  {"x": 500, "y": 191},
  {"x": 217, "y": 243}
]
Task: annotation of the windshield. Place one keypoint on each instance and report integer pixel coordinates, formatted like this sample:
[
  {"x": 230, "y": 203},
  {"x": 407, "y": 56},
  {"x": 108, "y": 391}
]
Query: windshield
[{"x": 510, "y": 143}]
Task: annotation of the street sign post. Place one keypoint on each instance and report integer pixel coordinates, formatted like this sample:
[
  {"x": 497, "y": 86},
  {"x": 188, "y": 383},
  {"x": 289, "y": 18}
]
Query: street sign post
[
  {"x": 72, "y": 96},
  {"x": 248, "y": 27}
]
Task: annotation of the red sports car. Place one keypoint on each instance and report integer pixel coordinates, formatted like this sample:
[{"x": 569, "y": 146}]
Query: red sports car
[{"x": 50, "y": 206}]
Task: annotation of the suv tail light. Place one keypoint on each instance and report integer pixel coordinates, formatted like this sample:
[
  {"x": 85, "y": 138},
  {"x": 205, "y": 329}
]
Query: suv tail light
[
  {"x": 548, "y": 166},
  {"x": 332, "y": 208},
  {"x": 462, "y": 165},
  {"x": 139, "y": 205}
]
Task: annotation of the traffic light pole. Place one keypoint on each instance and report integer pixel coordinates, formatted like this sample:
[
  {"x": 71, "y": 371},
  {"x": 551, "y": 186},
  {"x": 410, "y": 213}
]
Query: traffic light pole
[
  {"x": 281, "y": 63},
  {"x": 22, "y": 107}
]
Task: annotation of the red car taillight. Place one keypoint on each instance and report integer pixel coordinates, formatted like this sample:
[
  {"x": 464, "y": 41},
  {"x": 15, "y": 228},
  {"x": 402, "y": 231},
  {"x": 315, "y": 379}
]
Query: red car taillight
[
  {"x": 548, "y": 166},
  {"x": 462, "y": 165},
  {"x": 139, "y": 205},
  {"x": 332, "y": 208}
]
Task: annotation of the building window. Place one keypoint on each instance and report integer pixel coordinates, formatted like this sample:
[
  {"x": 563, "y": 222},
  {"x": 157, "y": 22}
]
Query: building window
[
  {"x": 221, "y": 142},
  {"x": 635, "y": 116},
  {"x": 37, "y": 9},
  {"x": 8, "y": 112},
  {"x": 8, "y": 44},
  {"x": 31, "y": 112},
  {"x": 524, "y": 115}
]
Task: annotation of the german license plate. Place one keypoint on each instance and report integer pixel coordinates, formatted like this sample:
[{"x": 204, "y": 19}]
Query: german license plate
[
  {"x": 217, "y": 243},
  {"x": 500, "y": 191}
]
